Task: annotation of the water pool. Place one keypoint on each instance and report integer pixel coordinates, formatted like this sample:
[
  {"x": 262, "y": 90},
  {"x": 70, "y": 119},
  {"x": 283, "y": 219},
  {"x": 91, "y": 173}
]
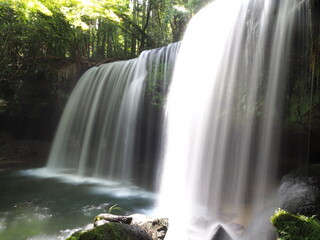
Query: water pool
[{"x": 38, "y": 205}]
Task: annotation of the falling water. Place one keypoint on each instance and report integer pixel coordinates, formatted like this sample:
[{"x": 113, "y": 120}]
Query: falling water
[
  {"x": 223, "y": 116},
  {"x": 113, "y": 111}
]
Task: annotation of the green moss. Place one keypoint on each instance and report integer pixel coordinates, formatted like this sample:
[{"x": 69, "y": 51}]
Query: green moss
[
  {"x": 75, "y": 236},
  {"x": 293, "y": 227},
  {"x": 109, "y": 231},
  {"x": 94, "y": 234}
]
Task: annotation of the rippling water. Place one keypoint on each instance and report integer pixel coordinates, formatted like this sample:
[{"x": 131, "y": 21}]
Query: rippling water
[{"x": 37, "y": 205}]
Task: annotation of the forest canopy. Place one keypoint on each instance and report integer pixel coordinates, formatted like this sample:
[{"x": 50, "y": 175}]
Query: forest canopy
[
  {"x": 93, "y": 28},
  {"x": 45, "y": 43}
]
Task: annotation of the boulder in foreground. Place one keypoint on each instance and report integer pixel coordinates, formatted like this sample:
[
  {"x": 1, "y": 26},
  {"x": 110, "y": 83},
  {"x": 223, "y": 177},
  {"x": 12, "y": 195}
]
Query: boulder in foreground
[
  {"x": 112, "y": 231},
  {"x": 300, "y": 192},
  {"x": 133, "y": 227}
]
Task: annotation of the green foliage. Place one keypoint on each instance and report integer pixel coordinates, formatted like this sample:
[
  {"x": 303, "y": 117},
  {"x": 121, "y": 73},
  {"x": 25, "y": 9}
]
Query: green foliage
[
  {"x": 3, "y": 105},
  {"x": 113, "y": 208},
  {"x": 303, "y": 97},
  {"x": 90, "y": 28},
  {"x": 292, "y": 227},
  {"x": 41, "y": 38}
]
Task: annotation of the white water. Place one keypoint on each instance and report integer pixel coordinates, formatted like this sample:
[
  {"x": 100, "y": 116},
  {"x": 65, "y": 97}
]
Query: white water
[
  {"x": 222, "y": 117},
  {"x": 109, "y": 125}
]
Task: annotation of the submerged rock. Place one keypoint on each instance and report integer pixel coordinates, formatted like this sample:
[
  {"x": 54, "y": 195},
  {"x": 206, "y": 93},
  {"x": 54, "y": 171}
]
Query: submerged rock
[
  {"x": 221, "y": 234},
  {"x": 300, "y": 191},
  {"x": 133, "y": 227},
  {"x": 236, "y": 227}
]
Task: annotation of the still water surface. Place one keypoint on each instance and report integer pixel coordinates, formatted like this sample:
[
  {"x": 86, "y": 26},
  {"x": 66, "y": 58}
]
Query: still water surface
[{"x": 38, "y": 205}]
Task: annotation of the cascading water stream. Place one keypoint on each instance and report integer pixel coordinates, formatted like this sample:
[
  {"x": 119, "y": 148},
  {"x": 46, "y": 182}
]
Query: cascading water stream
[
  {"x": 223, "y": 116},
  {"x": 111, "y": 120}
]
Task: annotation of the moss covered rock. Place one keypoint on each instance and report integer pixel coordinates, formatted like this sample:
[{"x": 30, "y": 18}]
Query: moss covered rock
[
  {"x": 294, "y": 227},
  {"x": 156, "y": 228},
  {"x": 76, "y": 235},
  {"x": 112, "y": 231}
]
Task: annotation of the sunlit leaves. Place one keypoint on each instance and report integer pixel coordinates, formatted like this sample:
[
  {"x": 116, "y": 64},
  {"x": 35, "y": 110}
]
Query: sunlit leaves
[
  {"x": 75, "y": 11},
  {"x": 27, "y": 7},
  {"x": 95, "y": 27},
  {"x": 38, "y": 6}
]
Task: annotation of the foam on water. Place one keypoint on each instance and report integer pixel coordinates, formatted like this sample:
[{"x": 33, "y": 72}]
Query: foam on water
[{"x": 96, "y": 185}]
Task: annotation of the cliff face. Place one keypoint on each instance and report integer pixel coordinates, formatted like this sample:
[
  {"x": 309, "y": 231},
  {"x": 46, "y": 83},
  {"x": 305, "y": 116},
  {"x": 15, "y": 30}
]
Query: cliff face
[{"x": 33, "y": 109}]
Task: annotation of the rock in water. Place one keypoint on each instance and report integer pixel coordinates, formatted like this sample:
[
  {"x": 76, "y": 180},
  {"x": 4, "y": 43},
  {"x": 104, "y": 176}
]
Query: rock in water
[
  {"x": 300, "y": 191},
  {"x": 155, "y": 227},
  {"x": 133, "y": 227},
  {"x": 236, "y": 227},
  {"x": 112, "y": 231},
  {"x": 221, "y": 234}
]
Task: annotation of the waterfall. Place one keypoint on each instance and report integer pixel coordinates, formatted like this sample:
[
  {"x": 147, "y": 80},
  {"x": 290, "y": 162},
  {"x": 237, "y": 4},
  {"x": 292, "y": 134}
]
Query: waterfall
[
  {"x": 223, "y": 117},
  {"x": 111, "y": 125}
]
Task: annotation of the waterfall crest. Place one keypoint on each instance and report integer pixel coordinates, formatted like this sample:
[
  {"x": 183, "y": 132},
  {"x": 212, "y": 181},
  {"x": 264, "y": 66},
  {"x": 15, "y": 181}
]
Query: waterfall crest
[
  {"x": 110, "y": 127},
  {"x": 223, "y": 114}
]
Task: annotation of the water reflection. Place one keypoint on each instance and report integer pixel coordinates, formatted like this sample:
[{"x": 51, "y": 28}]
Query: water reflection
[{"x": 38, "y": 206}]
